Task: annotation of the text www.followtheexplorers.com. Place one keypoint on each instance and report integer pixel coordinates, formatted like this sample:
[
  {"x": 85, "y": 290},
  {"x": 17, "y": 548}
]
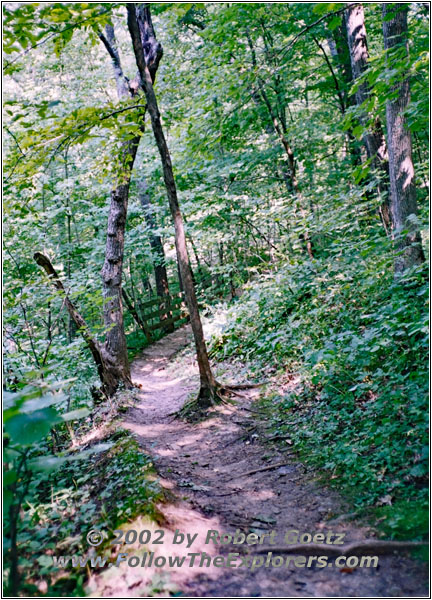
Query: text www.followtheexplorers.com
[{"x": 233, "y": 560}]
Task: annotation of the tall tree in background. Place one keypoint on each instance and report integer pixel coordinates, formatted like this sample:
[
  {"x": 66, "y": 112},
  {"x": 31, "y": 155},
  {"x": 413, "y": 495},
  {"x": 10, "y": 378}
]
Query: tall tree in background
[
  {"x": 373, "y": 136},
  {"x": 141, "y": 29},
  {"x": 158, "y": 254},
  {"x": 339, "y": 50},
  {"x": 403, "y": 202}
]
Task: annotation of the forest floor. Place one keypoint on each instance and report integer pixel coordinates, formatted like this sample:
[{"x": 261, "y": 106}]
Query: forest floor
[{"x": 206, "y": 469}]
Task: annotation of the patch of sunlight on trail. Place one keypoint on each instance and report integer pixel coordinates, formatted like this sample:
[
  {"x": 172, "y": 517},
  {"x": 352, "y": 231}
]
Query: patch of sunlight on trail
[{"x": 133, "y": 582}]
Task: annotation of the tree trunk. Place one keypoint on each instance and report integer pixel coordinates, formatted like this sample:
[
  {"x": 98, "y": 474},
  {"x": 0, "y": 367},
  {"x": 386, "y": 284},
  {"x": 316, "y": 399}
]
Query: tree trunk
[
  {"x": 144, "y": 60},
  {"x": 115, "y": 343},
  {"x": 107, "y": 371},
  {"x": 403, "y": 203},
  {"x": 115, "y": 338},
  {"x": 158, "y": 253},
  {"x": 129, "y": 89},
  {"x": 373, "y": 136},
  {"x": 112, "y": 270}
]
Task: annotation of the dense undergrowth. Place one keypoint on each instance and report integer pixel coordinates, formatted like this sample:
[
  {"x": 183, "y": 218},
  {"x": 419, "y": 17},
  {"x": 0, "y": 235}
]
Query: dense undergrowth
[
  {"x": 355, "y": 341},
  {"x": 100, "y": 481}
]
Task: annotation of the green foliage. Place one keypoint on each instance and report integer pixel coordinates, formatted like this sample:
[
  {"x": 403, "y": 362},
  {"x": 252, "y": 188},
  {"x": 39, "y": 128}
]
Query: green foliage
[
  {"x": 352, "y": 339},
  {"x": 101, "y": 487},
  {"x": 31, "y": 432},
  {"x": 359, "y": 341}
]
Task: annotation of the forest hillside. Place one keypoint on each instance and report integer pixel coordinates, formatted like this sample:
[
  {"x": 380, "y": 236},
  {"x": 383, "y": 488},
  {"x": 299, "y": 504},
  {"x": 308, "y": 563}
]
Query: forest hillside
[{"x": 252, "y": 177}]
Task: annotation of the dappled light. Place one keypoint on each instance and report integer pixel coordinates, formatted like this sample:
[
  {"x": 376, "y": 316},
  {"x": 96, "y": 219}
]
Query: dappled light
[{"x": 216, "y": 255}]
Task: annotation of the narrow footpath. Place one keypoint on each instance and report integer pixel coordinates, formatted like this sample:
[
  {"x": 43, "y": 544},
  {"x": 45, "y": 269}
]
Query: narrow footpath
[{"x": 220, "y": 477}]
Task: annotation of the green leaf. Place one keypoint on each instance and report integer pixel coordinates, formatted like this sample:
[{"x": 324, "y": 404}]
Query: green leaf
[{"x": 26, "y": 429}]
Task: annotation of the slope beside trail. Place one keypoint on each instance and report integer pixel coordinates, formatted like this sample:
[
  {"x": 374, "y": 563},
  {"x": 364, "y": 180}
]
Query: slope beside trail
[{"x": 206, "y": 466}]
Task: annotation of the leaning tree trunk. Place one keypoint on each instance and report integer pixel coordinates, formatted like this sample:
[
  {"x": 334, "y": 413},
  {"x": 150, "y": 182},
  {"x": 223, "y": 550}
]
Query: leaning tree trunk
[
  {"x": 373, "y": 136},
  {"x": 403, "y": 203},
  {"x": 107, "y": 372},
  {"x": 144, "y": 60}
]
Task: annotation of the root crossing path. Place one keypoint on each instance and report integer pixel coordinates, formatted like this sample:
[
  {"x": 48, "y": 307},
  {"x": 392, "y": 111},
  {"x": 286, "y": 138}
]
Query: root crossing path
[{"x": 218, "y": 479}]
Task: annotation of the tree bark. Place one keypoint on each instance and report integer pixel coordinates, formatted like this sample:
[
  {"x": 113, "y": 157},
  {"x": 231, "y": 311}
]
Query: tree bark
[
  {"x": 373, "y": 136},
  {"x": 115, "y": 342},
  {"x": 403, "y": 202},
  {"x": 112, "y": 270},
  {"x": 208, "y": 384},
  {"x": 129, "y": 89},
  {"x": 110, "y": 44}
]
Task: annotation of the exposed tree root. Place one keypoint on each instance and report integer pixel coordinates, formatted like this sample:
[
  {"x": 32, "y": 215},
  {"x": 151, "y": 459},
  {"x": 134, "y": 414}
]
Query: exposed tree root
[
  {"x": 247, "y": 386},
  {"x": 262, "y": 469},
  {"x": 208, "y": 398},
  {"x": 354, "y": 549}
]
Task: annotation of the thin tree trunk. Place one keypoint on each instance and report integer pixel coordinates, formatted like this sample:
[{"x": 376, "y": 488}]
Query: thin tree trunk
[
  {"x": 403, "y": 202},
  {"x": 338, "y": 44},
  {"x": 147, "y": 285},
  {"x": 158, "y": 254},
  {"x": 141, "y": 324},
  {"x": 208, "y": 385},
  {"x": 373, "y": 136},
  {"x": 156, "y": 245},
  {"x": 280, "y": 131}
]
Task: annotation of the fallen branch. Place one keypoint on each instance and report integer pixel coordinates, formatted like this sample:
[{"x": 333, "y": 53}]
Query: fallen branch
[
  {"x": 79, "y": 321},
  {"x": 109, "y": 373},
  {"x": 354, "y": 549}
]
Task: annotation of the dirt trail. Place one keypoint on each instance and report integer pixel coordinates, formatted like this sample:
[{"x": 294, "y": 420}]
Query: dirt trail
[{"x": 204, "y": 466}]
